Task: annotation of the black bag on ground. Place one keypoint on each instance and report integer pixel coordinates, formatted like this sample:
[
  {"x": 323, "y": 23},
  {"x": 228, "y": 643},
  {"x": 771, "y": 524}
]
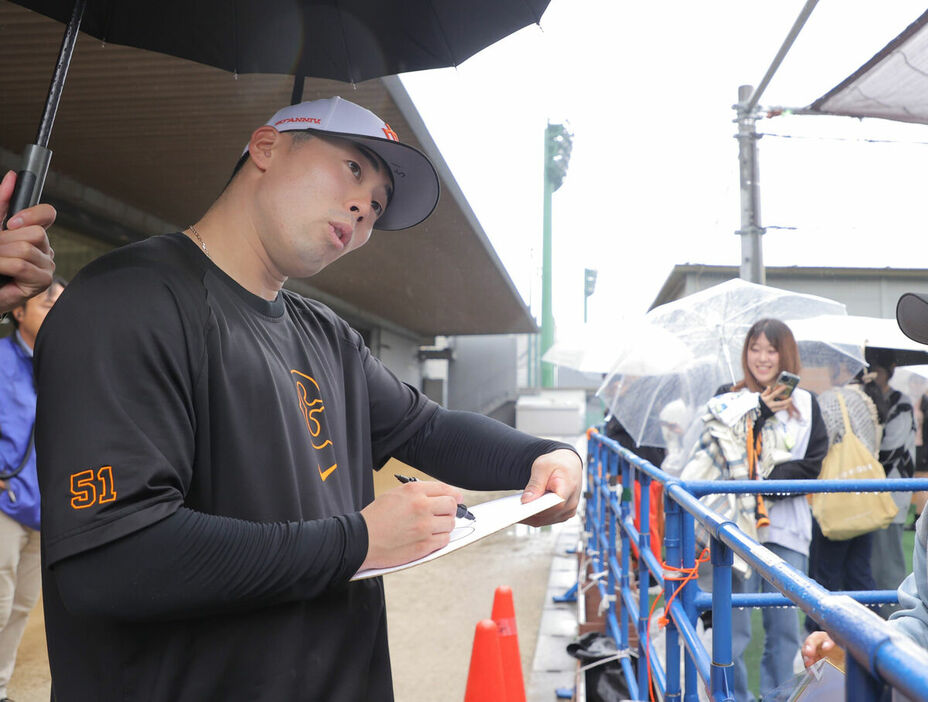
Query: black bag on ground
[{"x": 606, "y": 682}]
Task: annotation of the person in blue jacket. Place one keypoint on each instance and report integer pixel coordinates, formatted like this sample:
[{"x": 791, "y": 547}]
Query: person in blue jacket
[{"x": 19, "y": 489}]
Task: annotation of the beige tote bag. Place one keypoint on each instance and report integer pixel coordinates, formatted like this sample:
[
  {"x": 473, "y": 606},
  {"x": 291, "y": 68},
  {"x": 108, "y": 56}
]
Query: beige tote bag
[{"x": 844, "y": 515}]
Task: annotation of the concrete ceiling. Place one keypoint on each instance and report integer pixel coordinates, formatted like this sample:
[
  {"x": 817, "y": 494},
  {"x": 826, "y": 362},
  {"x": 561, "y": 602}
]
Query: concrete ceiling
[{"x": 144, "y": 142}]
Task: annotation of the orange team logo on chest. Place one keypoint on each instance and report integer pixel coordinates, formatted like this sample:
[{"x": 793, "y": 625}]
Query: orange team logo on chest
[{"x": 312, "y": 407}]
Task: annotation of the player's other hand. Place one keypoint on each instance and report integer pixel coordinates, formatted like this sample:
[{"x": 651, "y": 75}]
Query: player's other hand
[
  {"x": 409, "y": 522},
  {"x": 25, "y": 255},
  {"x": 820, "y": 645},
  {"x": 560, "y": 472}
]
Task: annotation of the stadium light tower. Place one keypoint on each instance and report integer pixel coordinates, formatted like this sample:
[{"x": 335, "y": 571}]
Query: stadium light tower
[{"x": 558, "y": 144}]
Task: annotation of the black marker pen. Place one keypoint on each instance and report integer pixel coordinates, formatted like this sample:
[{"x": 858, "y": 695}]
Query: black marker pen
[{"x": 462, "y": 513}]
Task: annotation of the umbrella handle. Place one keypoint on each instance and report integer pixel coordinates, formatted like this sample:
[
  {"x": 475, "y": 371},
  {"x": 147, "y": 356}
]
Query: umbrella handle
[
  {"x": 36, "y": 157},
  {"x": 29, "y": 183},
  {"x": 30, "y": 180}
]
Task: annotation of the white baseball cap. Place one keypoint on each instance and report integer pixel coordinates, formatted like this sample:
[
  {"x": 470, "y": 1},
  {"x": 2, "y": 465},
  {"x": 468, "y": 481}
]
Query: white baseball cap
[{"x": 415, "y": 181}]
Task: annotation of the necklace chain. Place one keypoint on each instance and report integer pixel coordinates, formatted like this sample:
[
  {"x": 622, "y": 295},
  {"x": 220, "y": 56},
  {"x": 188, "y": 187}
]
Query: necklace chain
[{"x": 193, "y": 229}]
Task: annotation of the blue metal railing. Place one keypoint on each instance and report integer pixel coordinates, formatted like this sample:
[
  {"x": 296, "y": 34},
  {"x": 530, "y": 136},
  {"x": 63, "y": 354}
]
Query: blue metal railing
[{"x": 878, "y": 653}]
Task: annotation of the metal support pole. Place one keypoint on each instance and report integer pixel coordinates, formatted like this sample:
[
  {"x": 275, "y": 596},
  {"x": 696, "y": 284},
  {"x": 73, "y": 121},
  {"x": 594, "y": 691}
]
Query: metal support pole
[
  {"x": 558, "y": 144},
  {"x": 547, "y": 309},
  {"x": 751, "y": 100},
  {"x": 673, "y": 524},
  {"x": 752, "y": 258},
  {"x": 722, "y": 673},
  {"x": 612, "y": 478},
  {"x": 690, "y": 675},
  {"x": 859, "y": 684},
  {"x": 624, "y": 510},
  {"x": 644, "y": 544}
]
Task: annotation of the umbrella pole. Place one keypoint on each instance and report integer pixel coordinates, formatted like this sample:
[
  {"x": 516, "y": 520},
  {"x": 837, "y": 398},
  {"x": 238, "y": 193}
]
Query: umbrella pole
[
  {"x": 296, "y": 96},
  {"x": 36, "y": 157}
]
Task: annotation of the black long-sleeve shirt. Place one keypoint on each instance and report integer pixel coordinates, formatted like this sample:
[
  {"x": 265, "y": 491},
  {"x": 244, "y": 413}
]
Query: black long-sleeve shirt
[{"x": 203, "y": 458}]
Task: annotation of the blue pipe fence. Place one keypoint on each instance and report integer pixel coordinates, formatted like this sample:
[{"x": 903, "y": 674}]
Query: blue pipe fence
[{"x": 877, "y": 652}]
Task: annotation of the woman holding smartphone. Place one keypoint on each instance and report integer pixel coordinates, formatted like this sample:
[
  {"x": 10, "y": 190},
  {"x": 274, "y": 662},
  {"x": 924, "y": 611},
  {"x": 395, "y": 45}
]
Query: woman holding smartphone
[{"x": 794, "y": 442}]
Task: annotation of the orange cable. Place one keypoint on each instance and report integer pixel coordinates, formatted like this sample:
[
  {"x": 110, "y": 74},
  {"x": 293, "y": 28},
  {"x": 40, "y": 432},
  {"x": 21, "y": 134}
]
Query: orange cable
[{"x": 687, "y": 575}]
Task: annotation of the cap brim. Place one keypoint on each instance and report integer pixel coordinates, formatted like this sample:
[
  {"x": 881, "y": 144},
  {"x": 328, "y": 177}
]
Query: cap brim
[
  {"x": 912, "y": 316},
  {"x": 415, "y": 182}
]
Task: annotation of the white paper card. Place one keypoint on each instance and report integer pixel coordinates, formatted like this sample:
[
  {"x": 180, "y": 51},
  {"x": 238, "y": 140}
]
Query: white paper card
[{"x": 489, "y": 517}]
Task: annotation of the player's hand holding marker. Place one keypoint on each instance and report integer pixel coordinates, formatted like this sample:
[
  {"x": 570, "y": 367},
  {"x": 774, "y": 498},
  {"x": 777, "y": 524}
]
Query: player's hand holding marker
[{"x": 409, "y": 522}]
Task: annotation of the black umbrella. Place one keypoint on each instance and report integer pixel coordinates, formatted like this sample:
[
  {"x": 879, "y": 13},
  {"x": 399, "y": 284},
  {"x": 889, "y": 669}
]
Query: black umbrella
[{"x": 348, "y": 40}]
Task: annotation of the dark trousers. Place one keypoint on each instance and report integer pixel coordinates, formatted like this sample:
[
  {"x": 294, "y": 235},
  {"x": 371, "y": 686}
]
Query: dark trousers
[{"x": 839, "y": 565}]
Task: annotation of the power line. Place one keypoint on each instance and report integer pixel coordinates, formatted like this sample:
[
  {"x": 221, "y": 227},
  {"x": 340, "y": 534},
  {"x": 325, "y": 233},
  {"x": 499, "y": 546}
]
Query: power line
[{"x": 863, "y": 140}]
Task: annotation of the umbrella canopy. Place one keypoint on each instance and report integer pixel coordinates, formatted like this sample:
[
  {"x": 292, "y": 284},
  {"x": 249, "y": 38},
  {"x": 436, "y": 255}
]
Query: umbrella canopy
[
  {"x": 713, "y": 322},
  {"x": 631, "y": 346},
  {"x": 650, "y": 369},
  {"x": 657, "y": 409},
  {"x": 911, "y": 380},
  {"x": 874, "y": 333},
  {"x": 351, "y": 40},
  {"x": 711, "y": 325}
]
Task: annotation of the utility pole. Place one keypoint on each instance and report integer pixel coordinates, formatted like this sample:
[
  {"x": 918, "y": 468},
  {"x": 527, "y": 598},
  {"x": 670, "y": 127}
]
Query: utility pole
[
  {"x": 752, "y": 257},
  {"x": 558, "y": 143}
]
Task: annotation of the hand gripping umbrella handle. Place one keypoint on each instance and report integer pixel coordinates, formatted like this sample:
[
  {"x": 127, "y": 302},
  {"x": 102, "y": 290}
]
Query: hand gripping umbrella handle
[
  {"x": 29, "y": 183},
  {"x": 36, "y": 157},
  {"x": 30, "y": 180}
]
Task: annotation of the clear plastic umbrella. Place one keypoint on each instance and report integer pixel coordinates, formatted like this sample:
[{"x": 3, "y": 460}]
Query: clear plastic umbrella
[
  {"x": 630, "y": 342},
  {"x": 656, "y": 409},
  {"x": 588, "y": 350},
  {"x": 874, "y": 333},
  {"x": 713, "y": 322},
  {"x": 711, "y": 325},
  {"x": 651, "y": 368}
]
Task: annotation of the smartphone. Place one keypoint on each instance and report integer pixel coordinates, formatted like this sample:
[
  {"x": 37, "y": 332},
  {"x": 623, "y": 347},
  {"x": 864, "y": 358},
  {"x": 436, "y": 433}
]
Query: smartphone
[{"x": 790, "y": 380}]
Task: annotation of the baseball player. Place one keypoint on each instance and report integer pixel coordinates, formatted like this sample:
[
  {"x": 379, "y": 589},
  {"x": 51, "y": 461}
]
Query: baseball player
[{"x": 206, "y": 440}]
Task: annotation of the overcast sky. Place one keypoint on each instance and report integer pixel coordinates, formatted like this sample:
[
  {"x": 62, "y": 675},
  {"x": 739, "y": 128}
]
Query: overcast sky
[{"x": 653, "y": 181}]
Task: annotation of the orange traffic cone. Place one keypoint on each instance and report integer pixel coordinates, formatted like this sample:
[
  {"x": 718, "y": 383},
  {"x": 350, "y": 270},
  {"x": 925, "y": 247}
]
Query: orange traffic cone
[
  {"x": 485, "y": 678},
  {"x": 504, "y": 615}
]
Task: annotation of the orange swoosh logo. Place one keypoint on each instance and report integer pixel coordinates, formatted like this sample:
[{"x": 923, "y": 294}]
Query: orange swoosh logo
[{"x": 326, "y": 473}]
